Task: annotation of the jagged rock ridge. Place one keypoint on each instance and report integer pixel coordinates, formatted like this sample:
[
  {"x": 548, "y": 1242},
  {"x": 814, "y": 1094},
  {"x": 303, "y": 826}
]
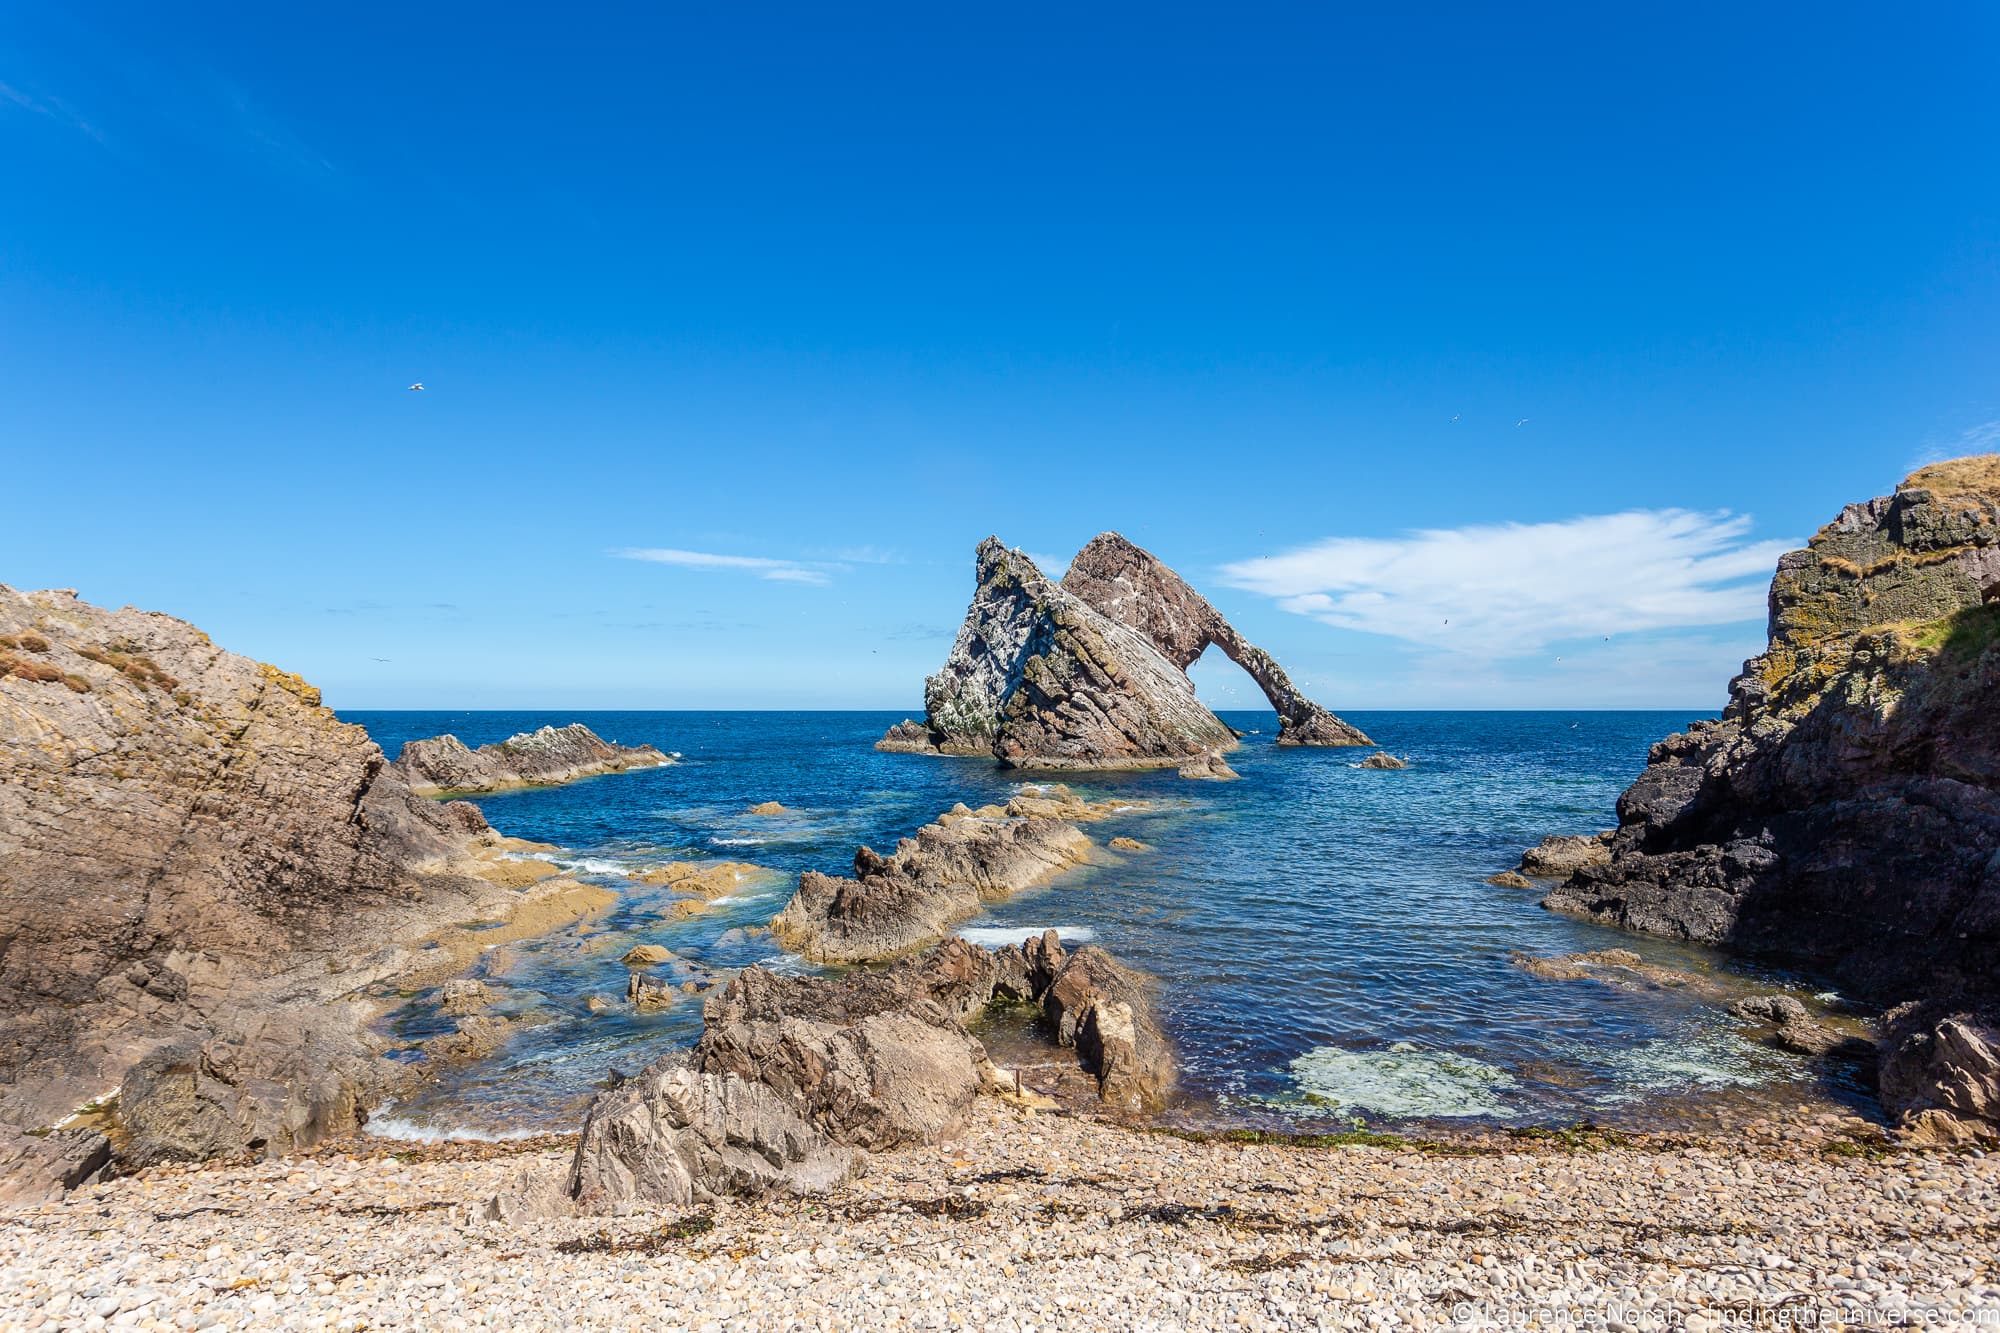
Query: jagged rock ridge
[
  {"x": 551, "y": 755},
  {"x": 899, "y": 903},
  {"x": 1845, "y": 810},
  {"x": 1046, "y": 675}
]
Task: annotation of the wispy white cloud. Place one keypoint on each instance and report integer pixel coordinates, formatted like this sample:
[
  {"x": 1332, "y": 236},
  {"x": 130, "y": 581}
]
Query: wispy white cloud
[
  {"x": 1981, "y": 439},
  {"x": 52, "y": 107},
  {"x": 764, "y": 567},
  {"x": 1510, "y": 589},
  {"x": 1055, "y": 566}
]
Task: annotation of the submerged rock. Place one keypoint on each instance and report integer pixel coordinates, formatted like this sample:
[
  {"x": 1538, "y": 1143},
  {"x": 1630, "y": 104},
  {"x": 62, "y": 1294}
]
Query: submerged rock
[
  {"x": 531, "y": 759},
  {"x": 1383, "y": 759},
  {"x": 202, "y": 872},
  {"x": 1091, "y": 672}
]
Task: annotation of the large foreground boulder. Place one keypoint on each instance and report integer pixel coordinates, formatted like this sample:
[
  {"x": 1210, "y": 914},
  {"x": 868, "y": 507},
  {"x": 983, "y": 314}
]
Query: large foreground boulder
[
  {"x": 202, "y": 872},
  {"x": 539, "y": 758},
  {"x": 796, "y": 1078},
  {"x": 1092, "y": 672}
]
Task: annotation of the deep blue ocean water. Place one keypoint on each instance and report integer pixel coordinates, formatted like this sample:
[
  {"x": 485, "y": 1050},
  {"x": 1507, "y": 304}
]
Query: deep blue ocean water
[{"x": 1325, "y": 942}]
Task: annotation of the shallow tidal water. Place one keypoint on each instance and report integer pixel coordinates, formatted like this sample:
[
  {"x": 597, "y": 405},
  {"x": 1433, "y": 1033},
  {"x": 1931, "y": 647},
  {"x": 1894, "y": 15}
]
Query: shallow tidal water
[{"x": 1326, "y": 946}]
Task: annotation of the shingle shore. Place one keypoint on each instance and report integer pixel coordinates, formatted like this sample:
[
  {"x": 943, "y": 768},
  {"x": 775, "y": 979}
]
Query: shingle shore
[{"x": 1049, "y": 1222}]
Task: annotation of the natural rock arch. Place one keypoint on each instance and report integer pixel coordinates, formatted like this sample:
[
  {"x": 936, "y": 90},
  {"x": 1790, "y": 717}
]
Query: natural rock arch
[{"x": 1132, "y": 586}]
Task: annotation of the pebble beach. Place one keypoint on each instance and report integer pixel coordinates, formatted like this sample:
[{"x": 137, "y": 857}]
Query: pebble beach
[{"x": 1051, "y": 1222}]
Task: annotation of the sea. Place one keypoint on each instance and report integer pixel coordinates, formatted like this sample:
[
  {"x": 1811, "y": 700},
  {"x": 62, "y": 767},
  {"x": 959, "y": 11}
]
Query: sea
[{"x": 1326, "y": 949}]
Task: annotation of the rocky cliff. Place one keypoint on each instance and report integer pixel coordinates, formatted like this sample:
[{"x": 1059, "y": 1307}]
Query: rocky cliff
[
  {"x": 1845, "y": 810},
  {"x": 445, "y": 764},
  {"x": 1046, "y": 675},
  {"x": 201, "y": 872}
]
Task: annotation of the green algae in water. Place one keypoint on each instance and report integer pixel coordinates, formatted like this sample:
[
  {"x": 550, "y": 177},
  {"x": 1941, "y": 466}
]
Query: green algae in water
[{"x": 1405, "y": 1082}]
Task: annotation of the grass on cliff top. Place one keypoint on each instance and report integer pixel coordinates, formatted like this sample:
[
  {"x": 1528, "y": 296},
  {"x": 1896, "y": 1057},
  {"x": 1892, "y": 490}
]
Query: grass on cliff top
[
  {"x": 1961, "y": 635},
  {"x": 1980, "y": 472}
]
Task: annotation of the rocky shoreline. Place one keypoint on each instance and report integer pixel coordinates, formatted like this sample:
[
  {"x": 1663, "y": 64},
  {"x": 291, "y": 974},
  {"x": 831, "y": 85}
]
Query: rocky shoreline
[{"x": 1049, "y": 1222}]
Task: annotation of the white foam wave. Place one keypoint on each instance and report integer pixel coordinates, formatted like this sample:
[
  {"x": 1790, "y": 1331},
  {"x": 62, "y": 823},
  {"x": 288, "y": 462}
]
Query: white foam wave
[
  {"x": 737, "y": 842},
  {"x": 1701, "y": 1059},
  {"x": 999, "y": 937},
  {"x": 580, "y": 865},
  {"x": 383, "y": 1126},
  {"x": 1405, "y": 1081}
]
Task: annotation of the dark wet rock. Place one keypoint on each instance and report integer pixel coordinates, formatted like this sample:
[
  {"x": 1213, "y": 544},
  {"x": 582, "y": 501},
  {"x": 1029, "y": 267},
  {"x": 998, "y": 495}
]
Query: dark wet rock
[
  {"x": 531, "y": 759},
  {"x": 1383, "y": 759},
  {"x": 897, "y": 904},
  {"x": 202, "y": 873},
  {"x": 1561, "y": 855},
  {"x": 1092, "y": 672},
  {"x": 1844, "y": 813}
]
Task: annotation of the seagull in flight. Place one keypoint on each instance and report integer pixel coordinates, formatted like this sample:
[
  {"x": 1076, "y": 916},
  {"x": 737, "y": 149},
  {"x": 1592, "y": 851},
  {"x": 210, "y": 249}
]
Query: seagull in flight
[
  {"x": 1454, "y": 416},
  {"x": 1522, "y": 422},
  {"x": 418, "y": 387},
  {"x": 380, "y": 659}
]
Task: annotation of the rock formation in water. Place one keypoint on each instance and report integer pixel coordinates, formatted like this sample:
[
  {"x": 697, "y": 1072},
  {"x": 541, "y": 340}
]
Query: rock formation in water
[
  {"x": 897, "y": 904},
  {"x": 1844, "y": 812},
  {"x": 795, "y": 1079},
  {"x": 1091, "y": 672},
  {"x": 201, "y": 872},
  {"x": 1133, "y": 587},
  {"x": 552, "y": 755}
]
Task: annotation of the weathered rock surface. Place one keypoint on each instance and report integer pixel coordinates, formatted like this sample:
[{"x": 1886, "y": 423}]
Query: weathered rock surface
[
  {"x": 1940, "y": 1071},
  {"x": 201, "y": 873},
  {"x": 1134, "y": 587},
  {"x": 897, "y": 904},
  {"x": 1383, "y": 759},
  {"x": 40, "y": 1168},
  {"x": 532, "y": 759},
  {"x": 1561, "y": 855},
  {"x": 796, "y": 1078},
  {"x": 1795, "y": 1028},
  {"x": 1845, "y": 811},
  {"x": 1092, "y": 672}
]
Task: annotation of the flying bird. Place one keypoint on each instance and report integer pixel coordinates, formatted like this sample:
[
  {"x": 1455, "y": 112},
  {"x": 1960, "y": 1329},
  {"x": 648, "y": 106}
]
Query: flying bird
[
  {"x": 381, "y": 659},
  {"x": 1522, "y": 422},
  {"x": 418, "y": 387},
  {"x": 1454, "y": 416}
]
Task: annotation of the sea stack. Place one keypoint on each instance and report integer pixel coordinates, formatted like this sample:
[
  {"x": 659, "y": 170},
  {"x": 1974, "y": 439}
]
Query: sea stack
[{"x": 1092, "y": 672}]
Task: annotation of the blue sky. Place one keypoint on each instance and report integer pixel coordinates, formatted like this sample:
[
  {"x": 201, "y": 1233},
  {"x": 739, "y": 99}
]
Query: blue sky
[{"x": 1555, "y": 325}]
